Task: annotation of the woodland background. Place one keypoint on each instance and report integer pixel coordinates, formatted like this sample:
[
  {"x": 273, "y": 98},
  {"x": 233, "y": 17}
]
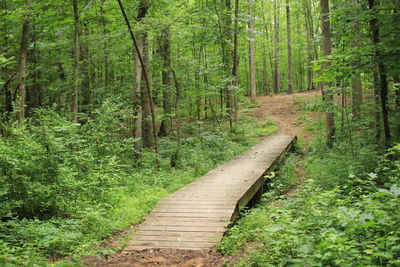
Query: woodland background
[{"x": 94, "y": 131}]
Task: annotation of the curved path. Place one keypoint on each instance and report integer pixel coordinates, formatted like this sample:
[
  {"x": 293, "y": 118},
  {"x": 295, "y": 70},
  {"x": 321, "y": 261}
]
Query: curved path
[{"x": 197, "y": 215}]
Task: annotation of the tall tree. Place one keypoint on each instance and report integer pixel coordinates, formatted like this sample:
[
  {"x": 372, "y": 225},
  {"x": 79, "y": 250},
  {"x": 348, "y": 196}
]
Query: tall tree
[
  {"x": 23, "y": 55},
  {"x": 235, "y": 67},
  {"x": 277, "y": 81},
  {"x": 383, "y": 84},
  {"x": 289, "y": 46},
  {"x": 327, "y": 51},
  {"x": 148, "y": 105},
  {"x": 76, "y": 62},
  {"x": 252, "y": 63},
  {"x": 356, "y": 81},
  {"x": 310, "y": 45},
  {"x": 165, "y": 48},
  {"x": 227, "y": 58},
  {"x": 146, "y": 101}
]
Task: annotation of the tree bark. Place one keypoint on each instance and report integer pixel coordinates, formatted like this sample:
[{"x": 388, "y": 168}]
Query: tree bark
[
  {"x": 376, "y": 40},
  {"x": 252, "y": 64},
  {"x": 326, "y": 51},
  {"x": 310, "y": 54},
  {"x": 277, "y": 82},
  {"x": 356, "y": 82},
  {"x": 136, "y": 104},
  {"x": 105, "y": 46},
  {"x": 166, "y": 81},
  {"x": 86, "y": 92},
  {"x": 289, "y": 40},
  {"x": 8, "y": 108},
  {"x": 76, "y": 62},
  {"x": 235, "y": 67},
  {"x": 23, "y": 55},
  {"x": 141, "y": 14}
]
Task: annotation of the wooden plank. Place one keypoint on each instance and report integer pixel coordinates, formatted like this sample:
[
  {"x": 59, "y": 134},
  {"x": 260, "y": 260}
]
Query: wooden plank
[
  {"x": 187, "y": 228},
  {"x": 171, "y": 244},
  {"x": 196, "y": 216},
  {"x": 180, "y": 223},
  {"x": 180, "y": 234},
  {"x": 193, "y": 210},
  {"x": 186, "y": 219},
  {"x": 189, "y": 215},
  {"x": 198, "y": 239}
]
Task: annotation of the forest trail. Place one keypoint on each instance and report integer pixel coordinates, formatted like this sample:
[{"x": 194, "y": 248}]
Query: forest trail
[
  {"x": 281, "y": 109},
  {"x": 197, "y": 215},
  {"x": 173, "y": 237}
]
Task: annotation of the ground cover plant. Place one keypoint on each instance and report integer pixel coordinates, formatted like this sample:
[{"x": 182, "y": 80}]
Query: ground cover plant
[{"x": 342, "y": 211}]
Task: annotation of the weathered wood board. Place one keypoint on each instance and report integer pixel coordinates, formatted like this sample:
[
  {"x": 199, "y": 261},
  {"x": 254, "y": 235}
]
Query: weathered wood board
[{"x": 197, "y": 215}]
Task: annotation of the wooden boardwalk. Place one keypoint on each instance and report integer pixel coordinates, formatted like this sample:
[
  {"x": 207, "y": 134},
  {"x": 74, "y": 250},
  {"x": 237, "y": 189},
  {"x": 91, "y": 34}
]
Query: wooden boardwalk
[{"x": 197, "y": 215}]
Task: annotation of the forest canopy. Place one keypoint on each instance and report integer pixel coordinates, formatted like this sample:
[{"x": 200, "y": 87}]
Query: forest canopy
[{"x": 109, "y": 105}]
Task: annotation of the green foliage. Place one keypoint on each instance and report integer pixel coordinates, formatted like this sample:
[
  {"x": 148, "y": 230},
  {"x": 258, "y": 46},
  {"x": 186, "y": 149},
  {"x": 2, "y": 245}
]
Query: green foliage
[
  {"x": 64, "y": 187},
  {"x": 316, "y": 105},
  {"x": 287, "y": 176},
  {"x": 338, "y": 220}
]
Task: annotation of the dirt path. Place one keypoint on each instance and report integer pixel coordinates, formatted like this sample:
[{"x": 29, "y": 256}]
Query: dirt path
[{"x": 281, "y": 109}]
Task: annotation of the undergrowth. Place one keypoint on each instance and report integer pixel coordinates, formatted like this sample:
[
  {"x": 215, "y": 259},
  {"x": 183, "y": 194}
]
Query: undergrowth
[
  {"x": 346, "y": 213},
  {"x": 64, "y": 187}
]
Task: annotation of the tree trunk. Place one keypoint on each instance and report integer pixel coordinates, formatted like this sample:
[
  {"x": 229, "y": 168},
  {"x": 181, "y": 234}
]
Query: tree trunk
[
  {"x": 374, "y": 24},
  {"x": 277, "y": 82},
  {"x": 268, "y": 46},
  {"x": 76, "y": 62},
  {"x": 86, "y": 92},
  {"x": 227, "y": 61},
  {"x": 289, "y": 40},
  {"x": 252, "y": 64},
  {"x": 166, "y": 81},
  {"x": 144, "y": 5},
  {"x": 34, "y": 92},
  {"x": 326, "y": 51},
  {"x": 377, "y": 99},
  {"x": 137, "y": 107},
  {"x": 235, "y": 67},
  {"x": 105, "y": 46},
  {"x": 310, "y": 54},
  {"x": 23, "y": 55},
  {"x": 356, "y": 82}
]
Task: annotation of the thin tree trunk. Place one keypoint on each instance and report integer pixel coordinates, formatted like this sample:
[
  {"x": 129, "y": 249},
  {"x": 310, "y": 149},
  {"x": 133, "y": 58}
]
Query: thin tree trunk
[
  {"x": 137, "y": 107},
  {"x": 356, "y": 82},
  {"x": 326, "y": 51},
  {"x": 86, "y": 93},
  {"x": 396, "y": 79},
  {"x": 142, "y": 12},
  {"x": 76, "y": 62},
  {"x": 34, "y": 93},
  {"x": 289, "y": 40},
  {"x": 277, "y": 82},
  {"x": 252, "y": 64},
  {"x": 105, "y": 45},
  {"x": 23, "y": 55},
  {"x": 377, "y": 100},
  {"x": 166, "y": 81},
  {"x": 300, "y": 77},
  {"x": 310, "y": 54},
  {"x": 235, "y": 68},
  {"x": 268, "y": 46},
  {"x": 374, "y": 23},
  {"x": 227, "y": 59}
]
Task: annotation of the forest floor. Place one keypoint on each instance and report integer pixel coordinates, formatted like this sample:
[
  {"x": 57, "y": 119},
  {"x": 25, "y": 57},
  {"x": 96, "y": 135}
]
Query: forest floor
[{"x": 291, "y": 121}]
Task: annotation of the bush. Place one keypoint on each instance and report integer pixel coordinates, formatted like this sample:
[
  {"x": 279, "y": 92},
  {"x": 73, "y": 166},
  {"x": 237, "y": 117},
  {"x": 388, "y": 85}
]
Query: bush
[{"x": 338, "y": 220}]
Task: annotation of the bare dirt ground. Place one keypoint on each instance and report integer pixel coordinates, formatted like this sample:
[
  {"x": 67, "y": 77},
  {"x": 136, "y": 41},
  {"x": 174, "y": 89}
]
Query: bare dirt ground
[{"x": 281, "y": 109}]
